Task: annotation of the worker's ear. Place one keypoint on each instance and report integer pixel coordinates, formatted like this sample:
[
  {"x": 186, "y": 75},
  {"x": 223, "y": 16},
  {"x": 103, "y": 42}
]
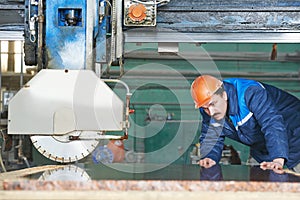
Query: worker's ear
[{"x": 224, "y": 96}]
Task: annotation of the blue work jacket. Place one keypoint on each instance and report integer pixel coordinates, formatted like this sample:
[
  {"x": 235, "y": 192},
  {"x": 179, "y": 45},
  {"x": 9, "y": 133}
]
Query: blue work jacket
[{"x": 258, "y": 115}]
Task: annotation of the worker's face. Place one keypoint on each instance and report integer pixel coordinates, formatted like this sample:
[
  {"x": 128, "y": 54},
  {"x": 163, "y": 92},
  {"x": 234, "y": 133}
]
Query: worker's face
[{"x": 217, "y": 106}]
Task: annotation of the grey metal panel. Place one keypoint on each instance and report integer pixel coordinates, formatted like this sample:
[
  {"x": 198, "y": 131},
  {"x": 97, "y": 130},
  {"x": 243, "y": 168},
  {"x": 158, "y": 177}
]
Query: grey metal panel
[
  {"x": 221, "y": 21},
  {"x": 12, "y": 15},
  {"x": 230, "y": 16},
  {"x": 230, "y": 21}
]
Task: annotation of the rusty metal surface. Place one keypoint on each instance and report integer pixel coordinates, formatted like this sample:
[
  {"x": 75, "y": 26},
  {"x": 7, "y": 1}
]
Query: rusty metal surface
[
  {"x": 230, "y": 16},
  {"x": 241, "y": 21}
]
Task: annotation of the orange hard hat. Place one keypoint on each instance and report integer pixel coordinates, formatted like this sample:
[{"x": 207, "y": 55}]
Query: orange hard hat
[{"x": 203, "y": 88}]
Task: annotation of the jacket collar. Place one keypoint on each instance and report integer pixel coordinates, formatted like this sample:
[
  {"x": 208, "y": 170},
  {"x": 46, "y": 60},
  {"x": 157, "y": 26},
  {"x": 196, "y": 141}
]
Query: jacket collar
[{"x": 232, "y": 98}]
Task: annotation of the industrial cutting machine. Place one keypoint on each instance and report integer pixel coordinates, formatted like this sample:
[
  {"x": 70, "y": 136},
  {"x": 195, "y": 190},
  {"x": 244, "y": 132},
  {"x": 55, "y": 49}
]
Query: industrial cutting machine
[{"x": 68, "y": 107}]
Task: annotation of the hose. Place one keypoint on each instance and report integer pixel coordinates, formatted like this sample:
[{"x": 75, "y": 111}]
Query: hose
[{"x": 1, "y": 160}]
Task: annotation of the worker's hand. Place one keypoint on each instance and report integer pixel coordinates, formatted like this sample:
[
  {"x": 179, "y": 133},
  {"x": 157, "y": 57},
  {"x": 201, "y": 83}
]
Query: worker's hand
[
  {"x": 207, "y": 162},
  {"x": 276, "y": 165}
]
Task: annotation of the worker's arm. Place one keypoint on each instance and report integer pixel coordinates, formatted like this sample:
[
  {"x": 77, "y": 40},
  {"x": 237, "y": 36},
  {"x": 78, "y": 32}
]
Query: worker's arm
[
  {"x": 272, "y": 125},
  {"x": 211, "y": 141}
]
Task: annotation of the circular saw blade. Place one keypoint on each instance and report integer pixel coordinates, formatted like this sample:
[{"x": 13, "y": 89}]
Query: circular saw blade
[
  {"x": 67, "y": 173},
  {"x": 60, "y": 149}
]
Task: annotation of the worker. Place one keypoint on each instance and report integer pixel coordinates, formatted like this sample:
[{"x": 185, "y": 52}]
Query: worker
[{"x": 256, "y": 114}]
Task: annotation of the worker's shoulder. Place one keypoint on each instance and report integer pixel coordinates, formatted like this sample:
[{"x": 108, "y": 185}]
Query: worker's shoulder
[{"x": 242, "y": 83}]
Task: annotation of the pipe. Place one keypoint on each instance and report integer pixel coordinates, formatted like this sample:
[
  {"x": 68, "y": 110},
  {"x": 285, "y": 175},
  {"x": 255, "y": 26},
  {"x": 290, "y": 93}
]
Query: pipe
[
  {"x": 26, "y": 161},
  {"x": 128, "y": 96},
  {"x": 127, "y": 124},
  {"x": 118, "y": 81},
  {"x": 20, "y": 153},
  {"x": 1, "y": 160}
]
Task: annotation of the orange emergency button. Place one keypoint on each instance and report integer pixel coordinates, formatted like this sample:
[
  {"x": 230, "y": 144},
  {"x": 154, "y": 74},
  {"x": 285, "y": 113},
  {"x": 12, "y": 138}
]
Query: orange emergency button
[{"x": 137, "y": 12}]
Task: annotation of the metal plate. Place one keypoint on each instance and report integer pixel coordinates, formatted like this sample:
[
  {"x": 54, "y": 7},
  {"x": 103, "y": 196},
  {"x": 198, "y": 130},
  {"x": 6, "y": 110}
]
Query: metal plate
[
  {"x": 229, "y": 37},
  {"x": 76, "y": 100},
  {"x": 61, "y": 149}
]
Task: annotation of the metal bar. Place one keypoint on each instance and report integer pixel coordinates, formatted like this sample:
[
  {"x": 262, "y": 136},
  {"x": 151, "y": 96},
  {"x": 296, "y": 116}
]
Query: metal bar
[
  {"x": 12, "y": 7},
  {"x": 22, "y": 66},
  {"x": 11, "y": 56},
  {"x": 204, "y": 9},
  {"x": 11, "y": 35},
  {"x": 227, "y": 4},
  {"x": 90, "y": 15},
  {"x": 40, "y": 35},
  {"x": 119, "y": 31},
  {"x": 230, "y": 37},
  {"x": 164, "y": 103},
  {"x": 141, "y": 75},
  {"x": 236, "y": 56},
  {"x": 1, "y": 82},
  {"x": 98, "y": 137},
  {"x": 174, "y": 74},
  {"x": 113, "y": 32},
  {"x": 187, "y": 88}
]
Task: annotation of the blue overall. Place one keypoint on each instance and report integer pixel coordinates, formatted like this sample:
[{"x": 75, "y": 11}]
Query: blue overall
[{"x": 258, "y": 115}]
